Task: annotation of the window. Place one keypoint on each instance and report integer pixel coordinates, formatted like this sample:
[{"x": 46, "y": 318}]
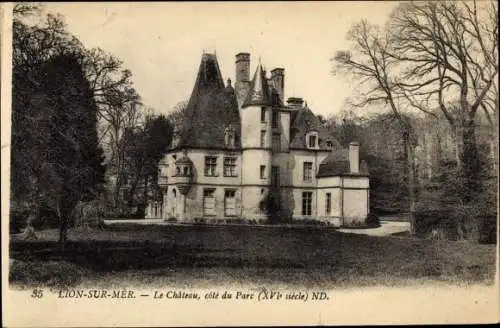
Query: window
[
  {"x": 276, "y": 142},
  {"x": 263, "y": 114},
  {"x": 275, "y": 119},
  {"x": 229, "y": 166},
  {"x": 306, "y": 203},
  {"x": 275, "y": 176},
  {"x": 262, "y": 171},
  {"x": 263, "y": 138},
  {"x": 328, "y": 205},
  {"x": 209, "y": 202},
  {"x": 313, "y": 139},
  {"x": 210, "y": 166},
  {"x": 308, "y": 171},
  {"x": 230, "y": 203}
]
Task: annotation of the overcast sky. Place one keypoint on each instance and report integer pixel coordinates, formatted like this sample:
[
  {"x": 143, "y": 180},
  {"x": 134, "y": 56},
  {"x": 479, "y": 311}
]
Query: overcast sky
[{"x": 162, "y": 43}]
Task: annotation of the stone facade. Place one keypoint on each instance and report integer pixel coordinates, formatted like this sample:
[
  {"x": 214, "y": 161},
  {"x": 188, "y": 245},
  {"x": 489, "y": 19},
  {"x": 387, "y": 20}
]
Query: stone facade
[{"x": 257, "y": 157}]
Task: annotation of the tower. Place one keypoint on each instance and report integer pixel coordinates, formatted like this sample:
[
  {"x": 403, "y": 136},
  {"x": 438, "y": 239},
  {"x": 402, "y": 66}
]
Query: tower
[{"x": 256, "y": 116}]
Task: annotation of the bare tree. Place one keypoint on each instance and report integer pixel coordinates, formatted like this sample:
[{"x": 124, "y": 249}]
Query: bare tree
[
  {"x": 449, "y": 53},
  {"x": 177, "y": 119},
  {"x": 370, "y": 62},
  {"x": 119, "y": 109}
]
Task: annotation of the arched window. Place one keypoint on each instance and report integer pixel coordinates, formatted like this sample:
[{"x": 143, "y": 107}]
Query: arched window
[{"x": 186, "y": 170}]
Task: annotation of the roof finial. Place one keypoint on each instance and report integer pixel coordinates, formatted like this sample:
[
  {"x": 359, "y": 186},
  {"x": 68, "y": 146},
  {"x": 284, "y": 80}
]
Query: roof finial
[{"x": 260, "y": 61}]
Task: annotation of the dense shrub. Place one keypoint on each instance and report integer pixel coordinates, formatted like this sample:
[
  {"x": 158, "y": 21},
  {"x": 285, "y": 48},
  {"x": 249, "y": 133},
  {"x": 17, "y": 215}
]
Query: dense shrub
[
  {"x": 446, "y": 210},
  {"x": 89, "y": 214},
  {"x": 488, "y": 229},
  {"x": 356, "y": 225},
  {"x": 18, "y": 219},
  {"x": 308, "y": 221},
  {"x": 372, "y": 220},
  {"x": 235, "y": 221}
]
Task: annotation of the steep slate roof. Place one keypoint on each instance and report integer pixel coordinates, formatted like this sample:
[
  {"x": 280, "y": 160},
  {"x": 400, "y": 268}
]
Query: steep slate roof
[
  {"x": 259, "y": 93},
  {"x": 304, "y": 121},
  {"x": 211, "y": 109},
  {"x": 337, "y": 164}
]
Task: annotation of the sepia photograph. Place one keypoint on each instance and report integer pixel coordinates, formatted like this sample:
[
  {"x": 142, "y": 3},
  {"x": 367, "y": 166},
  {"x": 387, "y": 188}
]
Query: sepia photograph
[{"x": 229, "y": 159}]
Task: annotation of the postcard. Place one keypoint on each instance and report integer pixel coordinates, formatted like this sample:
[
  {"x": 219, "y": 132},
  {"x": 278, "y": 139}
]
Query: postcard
[{"x": 249, "y": 163}]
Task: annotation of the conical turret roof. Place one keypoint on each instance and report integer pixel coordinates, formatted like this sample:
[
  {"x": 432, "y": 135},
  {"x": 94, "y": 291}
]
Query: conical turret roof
[
  {"x": 211, "y": 108},
  {"x": 258, "y": 94}
]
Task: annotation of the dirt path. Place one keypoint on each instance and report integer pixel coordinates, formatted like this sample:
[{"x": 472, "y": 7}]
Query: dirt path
[{"x": 386, "y": 228}]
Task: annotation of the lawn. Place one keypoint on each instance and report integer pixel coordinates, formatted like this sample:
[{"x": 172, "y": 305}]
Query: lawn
[{"x": 222, "y": 255}]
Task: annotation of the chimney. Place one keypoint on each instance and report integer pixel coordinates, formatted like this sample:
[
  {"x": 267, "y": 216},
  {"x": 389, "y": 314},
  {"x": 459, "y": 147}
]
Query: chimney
[
  {"x": 242, "y": 83},
  {"x": 278, "y": 81},
  {"x": 354, "y": 157},
  {"x": 295, "y": 102}
]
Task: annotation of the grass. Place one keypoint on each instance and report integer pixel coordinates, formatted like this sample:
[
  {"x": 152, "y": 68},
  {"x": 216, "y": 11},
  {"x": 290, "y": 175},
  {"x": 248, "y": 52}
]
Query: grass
[{"x": 221, "y": 255}]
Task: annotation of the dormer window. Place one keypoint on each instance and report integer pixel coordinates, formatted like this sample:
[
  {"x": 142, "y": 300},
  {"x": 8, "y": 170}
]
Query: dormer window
[
  {"x": 312, "y": 140},
  {"x": 229, "y": 136}
]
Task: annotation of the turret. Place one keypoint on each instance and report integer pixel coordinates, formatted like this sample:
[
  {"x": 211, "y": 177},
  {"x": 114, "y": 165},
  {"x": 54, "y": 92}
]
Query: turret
[
  {"x": 183, "y": 173},
  {"x": 258, "y": 94}
]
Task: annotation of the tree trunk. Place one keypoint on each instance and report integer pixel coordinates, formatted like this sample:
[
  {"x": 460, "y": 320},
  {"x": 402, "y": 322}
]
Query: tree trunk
[
  {"x": 458, "y": 136},
  {"x": 469, "y": 162},
  {"x": 63, "y": 227},
  {"x": 410, "y": 170},
  {"x": 65, "y": 211},
  {"x": 118, "y": 166}
]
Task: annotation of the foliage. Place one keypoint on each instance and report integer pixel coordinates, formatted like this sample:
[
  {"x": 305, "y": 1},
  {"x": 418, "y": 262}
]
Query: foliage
[
  {"x": 270, "y": 205},
  {"x": 372, "y": 220},
  {"x": 439, "y": 59},
  {"x": 65, "y": 162},
  {"x": 56, "y": 161},
  {"x": 38, "y": 38},
  {"x": 441, "y": 207},
  {"x": 144, "y": 149}
]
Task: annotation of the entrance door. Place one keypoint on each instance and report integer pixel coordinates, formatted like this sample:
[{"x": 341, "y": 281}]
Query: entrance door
[{"x": 230, "y": 203}]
